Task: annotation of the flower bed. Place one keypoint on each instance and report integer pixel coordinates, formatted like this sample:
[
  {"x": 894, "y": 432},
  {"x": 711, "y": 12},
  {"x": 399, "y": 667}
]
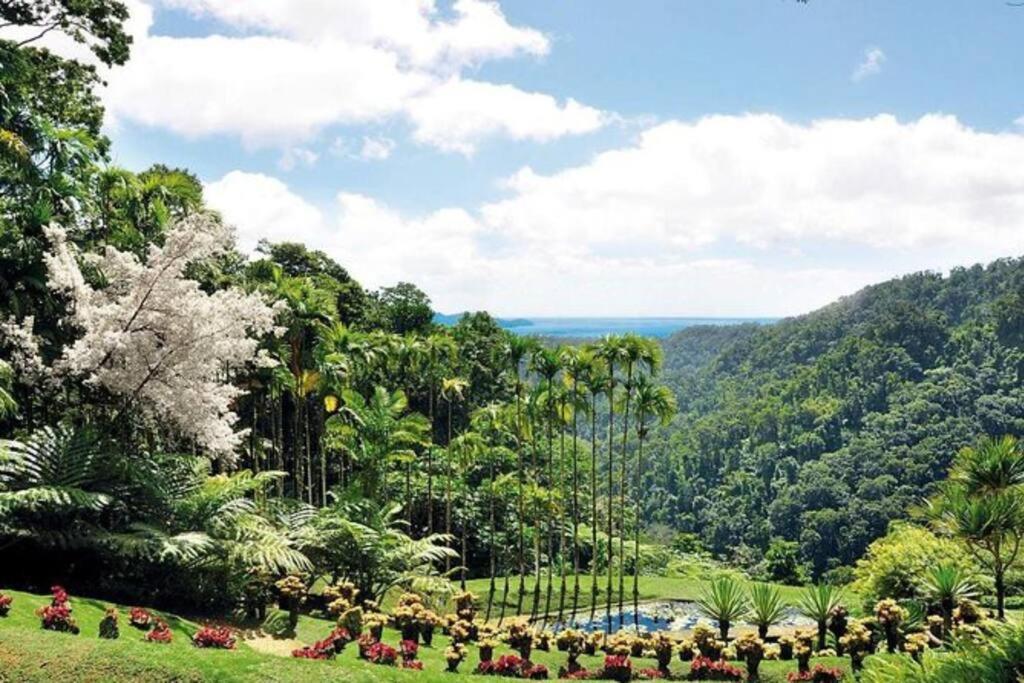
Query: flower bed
[
  {"x": 819, "y": 674},
  {"x": 704, "y": 669},
  {"x": 140, "y": 618},
  {"x": 161, "y": 633},
  {"x": 217, "y": 637}
]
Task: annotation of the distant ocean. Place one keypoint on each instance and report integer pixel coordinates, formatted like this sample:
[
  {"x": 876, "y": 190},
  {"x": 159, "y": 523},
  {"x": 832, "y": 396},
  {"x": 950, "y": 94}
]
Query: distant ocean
[{"x": 586, "y": 328}]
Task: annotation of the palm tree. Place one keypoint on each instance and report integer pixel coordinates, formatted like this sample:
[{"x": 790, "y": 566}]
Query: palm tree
[
  {"x": 723, "y": 601},
  {"x": 437, "y": 350},
  {"x": 610, "y": 351},
  {"x": 576, "y": 364},
  {"x": 657, "y": 403},
  {"x": 377, "y": 432},
  {"x": 490, "y": 420},
  {"x": 452, "y": 390},
  {"x": 947, "y": 585},
  {"x": 766, "y": 607},
  {"x": 463, "y": 451},
  {"x": 593, "y": 379},
  {"x": 983, "y": 503},
  {"x": 516, "y": 350},
  {"x": 817, "y": 603},
  {"x": 634, "y": 350},
  {"x": 547, "y": 364}
]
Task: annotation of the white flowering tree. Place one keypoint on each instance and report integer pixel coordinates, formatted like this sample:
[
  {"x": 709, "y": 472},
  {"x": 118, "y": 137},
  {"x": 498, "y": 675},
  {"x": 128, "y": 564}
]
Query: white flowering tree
[{"x": 152, "y": 337}]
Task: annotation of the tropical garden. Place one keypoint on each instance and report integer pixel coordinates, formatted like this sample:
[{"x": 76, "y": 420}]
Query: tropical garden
[{"x": 232, "y": 467}]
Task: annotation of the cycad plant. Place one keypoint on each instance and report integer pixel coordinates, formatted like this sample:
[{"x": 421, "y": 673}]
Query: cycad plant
[
  {"x": 724, "y": 602},
  {"x": 817, "y": 603},
  {"x": 766, "y": 607},
  {"x": 946, "y": 585}
]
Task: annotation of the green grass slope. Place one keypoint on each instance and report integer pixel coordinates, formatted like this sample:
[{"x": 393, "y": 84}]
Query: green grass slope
[{"x": 27, "y": 653}]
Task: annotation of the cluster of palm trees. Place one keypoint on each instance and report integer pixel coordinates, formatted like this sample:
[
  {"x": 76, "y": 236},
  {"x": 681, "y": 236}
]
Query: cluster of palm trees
[
  {"x": 510, "y": 483},
  {"x": 559, "y": 394}
]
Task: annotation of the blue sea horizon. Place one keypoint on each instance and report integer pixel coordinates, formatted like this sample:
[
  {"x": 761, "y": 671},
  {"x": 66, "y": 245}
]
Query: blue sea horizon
[{"x": 588, "y": 328}]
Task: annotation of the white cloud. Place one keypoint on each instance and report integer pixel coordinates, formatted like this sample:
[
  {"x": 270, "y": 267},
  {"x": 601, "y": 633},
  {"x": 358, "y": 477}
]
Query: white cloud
[
  {"x": 1019, "y": 121},
  {"x": 727, "y": 215},
  {"x": 262, "y": 207},
  {"x": 458, "y": 114},
  {"x": 297, "y": 156},
  {"x": 874, "y": 57},
  {"x": 286, "y": 70},
  {"x": 376, "y": 148}
]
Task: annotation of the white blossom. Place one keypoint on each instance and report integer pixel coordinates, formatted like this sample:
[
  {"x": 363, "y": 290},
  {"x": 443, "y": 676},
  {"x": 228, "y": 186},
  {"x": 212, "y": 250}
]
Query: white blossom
[
  {"x": 152, "y": 336},
  {"x": 22, "y": 347}
]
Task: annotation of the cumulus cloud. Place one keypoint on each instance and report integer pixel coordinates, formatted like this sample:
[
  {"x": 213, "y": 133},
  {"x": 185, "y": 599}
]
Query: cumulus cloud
[
  {"x": 376, "y": 148},
  {"x": 455, "y": 116},
  {"x": 262, "y": 207},
  {"x": 727, "y": 215},
  {"x": 277, "y": 73},
  {"x": 874, "y": 57}
]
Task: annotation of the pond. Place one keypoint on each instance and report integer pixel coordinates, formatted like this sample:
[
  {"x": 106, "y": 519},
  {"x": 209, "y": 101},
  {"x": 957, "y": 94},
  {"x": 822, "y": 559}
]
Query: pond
[{"x": 674, "y": 616}]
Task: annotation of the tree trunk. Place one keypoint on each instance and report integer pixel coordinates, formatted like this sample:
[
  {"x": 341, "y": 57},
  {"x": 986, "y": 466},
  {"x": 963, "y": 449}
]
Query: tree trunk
[
  {"x": 636, "y": 529},
  {"x": 611, "y": 488},
  {"x": 623, "y": 467},
  {"x": 575, "y": 507},
  {"x": 593, "y": 506},
  {"x": 430, "y": 460}
]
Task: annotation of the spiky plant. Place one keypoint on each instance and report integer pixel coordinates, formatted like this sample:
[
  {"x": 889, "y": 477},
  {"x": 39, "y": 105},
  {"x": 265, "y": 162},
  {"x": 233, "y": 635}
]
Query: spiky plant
[
  {"x": 946, "y": 585},
  {"x": 724, "y": 602},
  {"x": 766, "y": 607},
  {"x": 817, "y": 603}
]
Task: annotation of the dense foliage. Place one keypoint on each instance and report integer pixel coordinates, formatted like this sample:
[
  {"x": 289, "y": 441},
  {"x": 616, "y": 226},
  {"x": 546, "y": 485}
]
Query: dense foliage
[{"x": 821, "y": 429}]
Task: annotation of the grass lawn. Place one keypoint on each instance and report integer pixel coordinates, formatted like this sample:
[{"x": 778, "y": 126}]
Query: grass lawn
[{"x": 27, "y": 653}]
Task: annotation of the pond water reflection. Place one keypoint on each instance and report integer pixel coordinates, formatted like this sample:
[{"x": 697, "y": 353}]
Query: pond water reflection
[{"x": 674, "y": 616}]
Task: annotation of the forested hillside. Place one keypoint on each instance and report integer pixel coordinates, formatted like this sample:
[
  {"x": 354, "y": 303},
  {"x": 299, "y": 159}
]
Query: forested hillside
[{"x": 820, "y": 429}]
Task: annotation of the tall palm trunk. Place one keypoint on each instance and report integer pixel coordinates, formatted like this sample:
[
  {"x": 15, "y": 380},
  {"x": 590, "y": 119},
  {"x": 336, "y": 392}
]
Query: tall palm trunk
[
  {"x": 561, "y": 513},
  {"x": 622, "y": 490},
  {"x": 575, "y": 506},
  {"x": 536, "y": 538},
  {"x": 593, "y": 506},
  {"x": 448, "y": 487},
  {"x": 611, "y": 487},
  {"x": 521, "y": 545},
  {"x": 490, "y": 536},
  {"x": 430, "y": 459},
  {"x": 548, "y": 527},
  {"x": 636, "y": 529}
]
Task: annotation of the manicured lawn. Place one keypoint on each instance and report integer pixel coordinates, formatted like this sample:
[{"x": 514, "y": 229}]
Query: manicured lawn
[{"x": 28, "y": 653}]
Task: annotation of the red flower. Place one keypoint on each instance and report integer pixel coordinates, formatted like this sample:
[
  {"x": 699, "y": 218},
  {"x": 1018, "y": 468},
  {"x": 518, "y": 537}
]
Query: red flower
[
  {"x": 704, "y": 669},
  {"x": 409, "y": 649},
  {"x": 214, "y": 637},
  {"x": 60, "y": 596},
  {"x": 5, "y": 604},
  {"x": 139, "y": 618},
  {"x": 418, "y": 666},
  {"x": 161, "y": 633},
  {"x": 536, "y": 672},
  {"x": 57, "y": 618},
  {"x": 819, "y": 674},
  {"x": 379, "y": 653}
]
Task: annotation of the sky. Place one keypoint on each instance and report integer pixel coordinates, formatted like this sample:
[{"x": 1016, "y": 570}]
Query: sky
[{"x": 594, "y": 157}]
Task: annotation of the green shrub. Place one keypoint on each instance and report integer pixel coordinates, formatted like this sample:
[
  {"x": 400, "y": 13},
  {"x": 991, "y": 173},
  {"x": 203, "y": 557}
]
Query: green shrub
[{"x": 896, "y": 564}]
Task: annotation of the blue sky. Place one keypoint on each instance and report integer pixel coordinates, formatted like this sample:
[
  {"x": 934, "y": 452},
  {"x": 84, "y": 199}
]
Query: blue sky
[{"x": 589, "y": 157}]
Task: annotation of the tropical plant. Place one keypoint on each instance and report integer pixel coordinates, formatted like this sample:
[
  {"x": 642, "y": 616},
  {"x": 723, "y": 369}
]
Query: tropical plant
[
  {"x": 983, "y": 504},
  {"x": 766, "y": 607},
  {"x": 655, "y": 403},
  {"x": 723, "y": 601},
  {"x": 817, "y": 603},
  {"x": 947, "y": 585},
  {"x": 610, "y": 351}
]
